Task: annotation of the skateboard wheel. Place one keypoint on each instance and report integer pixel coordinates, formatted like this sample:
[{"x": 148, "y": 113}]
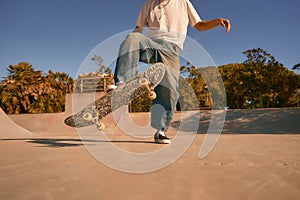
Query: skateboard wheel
[
  {"x": 144, "y": 82},
  {"x": 100, "y": 126},
  {"x": 87, "y": 117},
  {"x": 152, "y": 95}
]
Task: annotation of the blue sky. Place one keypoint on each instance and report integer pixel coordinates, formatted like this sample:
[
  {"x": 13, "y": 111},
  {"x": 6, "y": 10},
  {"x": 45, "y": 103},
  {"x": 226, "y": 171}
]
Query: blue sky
[{"x": 59, "y": 34}]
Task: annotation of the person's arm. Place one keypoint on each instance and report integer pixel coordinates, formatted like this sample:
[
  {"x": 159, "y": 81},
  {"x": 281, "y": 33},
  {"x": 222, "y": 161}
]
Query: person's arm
[{"x": 210, "y": 24}]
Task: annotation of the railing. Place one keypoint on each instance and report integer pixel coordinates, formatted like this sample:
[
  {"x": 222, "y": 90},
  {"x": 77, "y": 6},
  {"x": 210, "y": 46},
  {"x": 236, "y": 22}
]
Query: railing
[{"x": 89, "y": 85}]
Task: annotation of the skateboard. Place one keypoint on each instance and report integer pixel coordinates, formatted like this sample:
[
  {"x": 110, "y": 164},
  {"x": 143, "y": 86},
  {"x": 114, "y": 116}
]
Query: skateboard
[{"x": 125, "y": 92}]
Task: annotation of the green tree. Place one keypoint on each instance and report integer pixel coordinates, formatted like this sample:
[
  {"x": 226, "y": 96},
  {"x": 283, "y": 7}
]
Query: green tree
[
  {"x": 262, "y": 68},
  {"x": 297, "y": 66},
  {"x": 243, "y": 83},
  {"x": 191, "y": 88},
  {"x": 237, "y": 85}
]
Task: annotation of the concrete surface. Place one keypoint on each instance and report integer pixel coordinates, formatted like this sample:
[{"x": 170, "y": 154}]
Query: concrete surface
[{"x": 44, "y": 159}]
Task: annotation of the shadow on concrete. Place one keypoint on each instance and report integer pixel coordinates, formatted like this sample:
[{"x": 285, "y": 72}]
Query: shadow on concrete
[
  {"x": 69, "y": 142},
  {"x": 258, "y": 121}
]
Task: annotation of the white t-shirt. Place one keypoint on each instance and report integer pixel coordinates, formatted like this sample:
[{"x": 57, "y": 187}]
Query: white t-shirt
[{"x": 168, "y": 20}]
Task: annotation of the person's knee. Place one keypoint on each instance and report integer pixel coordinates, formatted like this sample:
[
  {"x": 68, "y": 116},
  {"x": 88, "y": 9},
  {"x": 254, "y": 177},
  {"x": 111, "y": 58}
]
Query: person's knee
[
  {"x": 134, "y": 37},
  {"x": 130, "y": 43}
]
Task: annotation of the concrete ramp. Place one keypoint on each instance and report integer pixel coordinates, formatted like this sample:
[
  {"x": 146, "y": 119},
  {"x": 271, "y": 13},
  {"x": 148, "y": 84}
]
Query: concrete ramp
[
  {"x": 43, "y": 123},
  {"x": 9, "y": 128},
  {"x": 54, "y": 122},
  {"x": 257, "y": 121}
]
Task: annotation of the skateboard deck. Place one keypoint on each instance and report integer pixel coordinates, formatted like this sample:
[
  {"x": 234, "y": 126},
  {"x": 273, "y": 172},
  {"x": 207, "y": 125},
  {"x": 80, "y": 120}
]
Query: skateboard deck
[{"x": 140, "y": 84}]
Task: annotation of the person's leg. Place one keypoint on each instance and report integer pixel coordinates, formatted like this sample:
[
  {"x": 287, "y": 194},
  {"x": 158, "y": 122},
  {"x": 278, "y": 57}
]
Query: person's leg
[
  {"x": 136, "y": 47},
  {"x": 167, "y": 92}
]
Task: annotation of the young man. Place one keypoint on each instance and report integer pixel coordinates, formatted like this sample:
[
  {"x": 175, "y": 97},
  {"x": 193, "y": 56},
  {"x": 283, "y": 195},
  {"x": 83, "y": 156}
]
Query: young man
[{"x": 166, "y": 22}]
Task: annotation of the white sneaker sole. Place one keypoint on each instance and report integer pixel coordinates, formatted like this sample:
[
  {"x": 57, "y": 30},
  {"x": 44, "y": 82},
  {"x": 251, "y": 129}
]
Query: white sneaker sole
[{"x": 160, "y": 141}]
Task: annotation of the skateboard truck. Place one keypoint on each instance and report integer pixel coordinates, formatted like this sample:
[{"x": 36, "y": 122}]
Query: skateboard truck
[
  {"x": 88, "y": 117},
  {"x": 144, "y": 83}
]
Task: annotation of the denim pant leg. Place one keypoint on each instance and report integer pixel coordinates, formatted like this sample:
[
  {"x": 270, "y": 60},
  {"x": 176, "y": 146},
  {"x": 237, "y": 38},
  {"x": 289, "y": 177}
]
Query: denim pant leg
[
  {"x": 163, "y": 106},
  {"x": 137, "y": 47}
]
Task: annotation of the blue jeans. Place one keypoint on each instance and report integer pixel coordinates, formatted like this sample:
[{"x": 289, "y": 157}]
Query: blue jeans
[{"x": 139, "y": 48}]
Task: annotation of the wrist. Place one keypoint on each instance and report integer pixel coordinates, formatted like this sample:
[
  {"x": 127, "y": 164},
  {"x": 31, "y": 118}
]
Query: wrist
[{"x": 219, "y": 20}]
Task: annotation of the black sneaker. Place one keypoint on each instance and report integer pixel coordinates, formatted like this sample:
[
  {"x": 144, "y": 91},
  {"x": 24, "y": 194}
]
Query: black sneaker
[{"x": 161, "y": 138}]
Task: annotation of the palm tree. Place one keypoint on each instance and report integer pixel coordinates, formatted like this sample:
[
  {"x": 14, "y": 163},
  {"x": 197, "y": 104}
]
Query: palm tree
[
  {"x": 28, "y": 91},
  {"x": 59, "y": 85},
  {"x": 19, "y": 87}
]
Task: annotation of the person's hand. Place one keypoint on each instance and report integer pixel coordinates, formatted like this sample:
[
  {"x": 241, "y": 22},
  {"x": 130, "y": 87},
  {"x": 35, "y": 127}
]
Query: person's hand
[{"x": 225, "y": 23}]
